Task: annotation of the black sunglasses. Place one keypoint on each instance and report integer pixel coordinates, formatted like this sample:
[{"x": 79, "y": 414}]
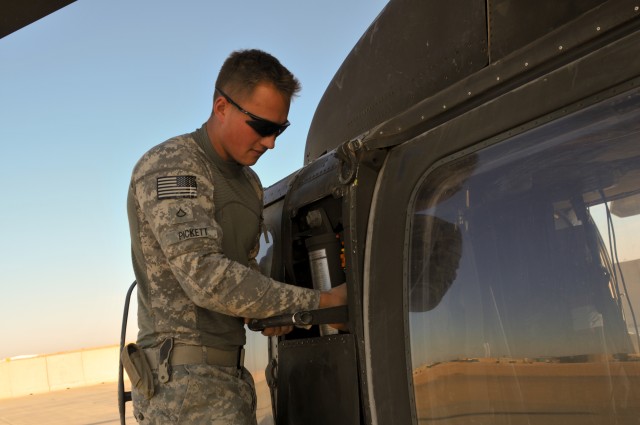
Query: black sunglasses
[{"x": 263, "y": 127}]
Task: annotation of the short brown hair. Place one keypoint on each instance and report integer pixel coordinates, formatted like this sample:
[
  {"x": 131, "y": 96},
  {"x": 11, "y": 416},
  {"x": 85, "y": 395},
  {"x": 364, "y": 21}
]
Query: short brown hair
[{"x": 243, "y": 70}]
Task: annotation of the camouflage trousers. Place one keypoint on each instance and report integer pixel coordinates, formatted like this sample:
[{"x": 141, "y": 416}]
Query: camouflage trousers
[{"x": 199, "y": 394}]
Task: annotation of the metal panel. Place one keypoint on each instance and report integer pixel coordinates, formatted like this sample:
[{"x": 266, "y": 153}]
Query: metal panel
[
  {"x": 513, "y": 24},
  {"x": 587, "y": 32},
  {"x": 414, "y": 48},
  {"x": 318, "y": 382}
]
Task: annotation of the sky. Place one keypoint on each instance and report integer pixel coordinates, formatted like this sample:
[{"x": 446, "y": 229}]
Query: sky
[{"x": 84, "y": 92}]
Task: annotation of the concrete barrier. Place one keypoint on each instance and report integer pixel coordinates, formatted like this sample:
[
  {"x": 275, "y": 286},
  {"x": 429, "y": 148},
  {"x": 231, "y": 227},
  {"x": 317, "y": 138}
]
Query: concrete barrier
[
  {"x": 52, "y": 372},
  {"x": 65, "y": 371},
  {"x": 27, "y": 376},
  {"x": 101, "y": 365},
  {"x": 5, "y": 388}
]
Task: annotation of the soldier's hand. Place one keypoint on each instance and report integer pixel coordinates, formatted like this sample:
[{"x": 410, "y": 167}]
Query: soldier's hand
[
  {"x": 277, "y": 330},
  {"x": 334, "y": 297}
]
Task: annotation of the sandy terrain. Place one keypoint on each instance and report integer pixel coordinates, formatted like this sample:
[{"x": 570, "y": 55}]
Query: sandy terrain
[{"x": 492, "y": 392}]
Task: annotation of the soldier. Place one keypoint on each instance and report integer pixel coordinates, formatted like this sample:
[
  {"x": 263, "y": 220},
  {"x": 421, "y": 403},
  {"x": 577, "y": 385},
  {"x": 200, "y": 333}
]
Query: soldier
[{"x": 195, "y": 215}]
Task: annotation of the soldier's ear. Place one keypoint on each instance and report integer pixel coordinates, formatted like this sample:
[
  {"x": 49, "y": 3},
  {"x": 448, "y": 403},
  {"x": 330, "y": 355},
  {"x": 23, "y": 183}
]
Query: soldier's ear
[{"x": 220, "y": 108}]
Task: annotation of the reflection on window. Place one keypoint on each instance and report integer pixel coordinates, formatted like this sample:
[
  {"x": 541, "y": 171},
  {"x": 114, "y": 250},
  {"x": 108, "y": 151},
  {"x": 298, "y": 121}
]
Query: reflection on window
[
  {"x": 265, "y": 255},
  {"x": 524, "y": 276}
]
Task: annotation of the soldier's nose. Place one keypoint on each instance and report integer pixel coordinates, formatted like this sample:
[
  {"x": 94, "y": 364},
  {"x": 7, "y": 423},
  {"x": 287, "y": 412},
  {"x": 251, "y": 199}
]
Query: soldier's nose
[{"x": 268, "y": 142}]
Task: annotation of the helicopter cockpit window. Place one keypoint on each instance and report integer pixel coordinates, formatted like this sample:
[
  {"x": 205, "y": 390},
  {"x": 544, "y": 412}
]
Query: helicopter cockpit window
[{"x": 524, "y": 276}]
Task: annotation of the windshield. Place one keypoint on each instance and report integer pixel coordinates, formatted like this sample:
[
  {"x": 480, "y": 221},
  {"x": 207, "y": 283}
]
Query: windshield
[{"x": 524, "y": 276}]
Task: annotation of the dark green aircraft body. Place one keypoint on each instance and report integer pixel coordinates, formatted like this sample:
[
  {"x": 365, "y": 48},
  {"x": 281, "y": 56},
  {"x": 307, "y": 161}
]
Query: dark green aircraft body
[{"x": 479, "y": 164}]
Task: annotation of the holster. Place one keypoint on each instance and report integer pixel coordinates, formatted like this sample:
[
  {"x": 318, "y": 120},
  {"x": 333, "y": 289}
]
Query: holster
[{"x": 137, "y": 366}]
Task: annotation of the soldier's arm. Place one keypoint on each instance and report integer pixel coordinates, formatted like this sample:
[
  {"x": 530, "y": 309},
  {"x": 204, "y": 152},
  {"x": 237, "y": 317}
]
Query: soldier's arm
[{"x": 191, "y": 240}]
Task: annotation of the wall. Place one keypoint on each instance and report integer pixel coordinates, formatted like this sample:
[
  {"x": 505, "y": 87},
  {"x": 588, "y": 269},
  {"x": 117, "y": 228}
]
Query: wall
[{"x": 52, "y": 372}]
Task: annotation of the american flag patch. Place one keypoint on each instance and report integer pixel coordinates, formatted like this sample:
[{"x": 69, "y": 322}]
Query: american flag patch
[{"x": 177, "y": 187}]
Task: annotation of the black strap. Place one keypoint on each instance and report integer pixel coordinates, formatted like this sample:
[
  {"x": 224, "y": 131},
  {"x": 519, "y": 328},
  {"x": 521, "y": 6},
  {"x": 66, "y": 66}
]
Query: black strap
[
  {"x": 323, "y": 316},
  {"x": 124, "y": 396}
]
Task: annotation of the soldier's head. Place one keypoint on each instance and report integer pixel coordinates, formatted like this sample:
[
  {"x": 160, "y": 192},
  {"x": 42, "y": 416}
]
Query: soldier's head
[
  {"x": 243, "y": 70},
  {"x": 250, "y": 105}
]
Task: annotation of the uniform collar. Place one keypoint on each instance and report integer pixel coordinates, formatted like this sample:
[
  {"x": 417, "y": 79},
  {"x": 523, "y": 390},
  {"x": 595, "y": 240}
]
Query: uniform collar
[{"x": 230, "y": 168}]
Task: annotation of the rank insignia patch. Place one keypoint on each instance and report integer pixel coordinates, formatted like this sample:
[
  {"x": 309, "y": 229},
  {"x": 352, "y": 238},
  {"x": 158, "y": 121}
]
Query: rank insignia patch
[
  {"x": 181, "y": 212},
  {"x": 174, "y": 187}
]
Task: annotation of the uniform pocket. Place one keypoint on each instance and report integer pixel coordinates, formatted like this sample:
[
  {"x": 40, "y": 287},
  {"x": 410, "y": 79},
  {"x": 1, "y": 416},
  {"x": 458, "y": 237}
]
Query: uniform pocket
[
  {"x": 135, "y": 363},
  {"x": 219, "y": 395}
]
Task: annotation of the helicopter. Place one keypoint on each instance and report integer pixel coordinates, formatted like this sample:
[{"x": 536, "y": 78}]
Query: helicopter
[{"x": 473, "y": 173}]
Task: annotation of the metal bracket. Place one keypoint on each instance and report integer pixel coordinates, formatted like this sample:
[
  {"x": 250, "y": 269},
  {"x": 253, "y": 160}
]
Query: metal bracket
[
  {"x": 164, "y": 363},
  {"x": 346, "y": 152}
]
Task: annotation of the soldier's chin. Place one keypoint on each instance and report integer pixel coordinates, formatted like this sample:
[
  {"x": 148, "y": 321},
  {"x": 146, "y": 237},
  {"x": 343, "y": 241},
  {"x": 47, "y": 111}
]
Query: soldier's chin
[
  {"x": 252, "y": 158},
  {"x": 248, "y": 162}
]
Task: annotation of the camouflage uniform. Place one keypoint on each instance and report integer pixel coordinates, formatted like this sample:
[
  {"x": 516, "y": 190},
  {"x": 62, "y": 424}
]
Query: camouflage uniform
[{"x": 194, "y": 285}]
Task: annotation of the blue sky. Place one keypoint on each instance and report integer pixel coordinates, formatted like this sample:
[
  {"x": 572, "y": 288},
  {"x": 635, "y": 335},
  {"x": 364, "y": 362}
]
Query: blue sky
[{"x": 87, "y": 90}]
